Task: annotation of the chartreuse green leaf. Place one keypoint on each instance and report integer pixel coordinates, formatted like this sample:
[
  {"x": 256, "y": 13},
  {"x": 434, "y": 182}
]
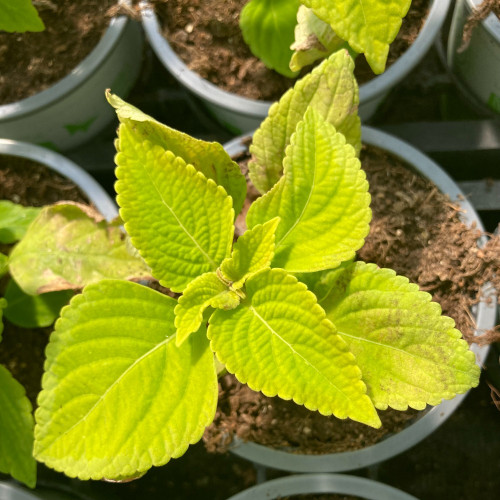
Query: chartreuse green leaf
[
  {"x": 118, "y": 396},
  {"x": 331, "y": 90},
  {"x": 180, "y": 221},
  {"x": 16, "y": 430},
  {"x": 68, "y": 246},
  {"x": 314, "y": 39},
  {"x": 205, "y": 291},
  {"x": 369, "y": 26},
  {"x": 278, "y": 341},
  {"x": 209, "y": 158},
  {"x": 268, "y": 29},
  {"x": 322, "y": 200},
  {"x": 409, "y": 354},
  {"x": 253, "y": 251},
  {"x": 14, "y": 220},
  {"x": 33, "y": 311},
  {"x": 19, "y": 16}
]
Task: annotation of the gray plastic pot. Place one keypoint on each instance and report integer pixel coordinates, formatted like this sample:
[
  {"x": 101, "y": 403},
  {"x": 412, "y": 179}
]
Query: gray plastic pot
[
  {"x": 476, "y": 64},
  {"x": 240, "y": 114},
  {"x": 73, "y": 110},
  {"x": 60, "y": 164},
  {"x": 320, "y": 484},
  {"x": 428, "y": 421},
  {"x": 10, "y": 490}
]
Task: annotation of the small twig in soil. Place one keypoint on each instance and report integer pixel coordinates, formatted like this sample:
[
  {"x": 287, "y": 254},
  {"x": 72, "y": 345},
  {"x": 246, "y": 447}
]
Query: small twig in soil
[
  {"x": 482, "y": 12},
  {"x": 45, "y": 4}
]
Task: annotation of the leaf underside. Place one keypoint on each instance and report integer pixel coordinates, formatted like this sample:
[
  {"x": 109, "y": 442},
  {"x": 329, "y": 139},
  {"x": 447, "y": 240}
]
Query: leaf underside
[
  {"x": 66, "y": 248},
  {"x": 278, "y": 341},
  {"x": 267, "y": 27},
  {"x": 322, "y": 200},
  {"x": 33, "y": 311},
  {"x": 369, "y": 26},
  {"x": 180, "y": 221},
  {"x": 16, "y": 430},
  {"x": 117, "y": 395},
  {"x": 314, "y": 39},
  {"x": 331, "y": 90},
  {"x": 409, "y": 354},
  {"x": 14, "y": 220}
]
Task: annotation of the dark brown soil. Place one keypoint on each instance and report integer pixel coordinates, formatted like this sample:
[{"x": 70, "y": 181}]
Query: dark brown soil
[
  {"x": 206, "y": 35},
  {"x": 415, "y": 230},
  {"x": 30, "y": 184},
  {"x": 31, "y": 62}
]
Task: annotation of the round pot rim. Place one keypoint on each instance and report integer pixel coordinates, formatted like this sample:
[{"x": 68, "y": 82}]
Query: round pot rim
[
  {"x": 72, "y": 80},
  {"x": 322, "y": 483},
  {"x": 434, "y": 417},
  {"x": 491, "y": 23},
  {"x": 15, "y": 492},
  {"x": 62, "y": 165},
  {"x": 253, "y": 107}
]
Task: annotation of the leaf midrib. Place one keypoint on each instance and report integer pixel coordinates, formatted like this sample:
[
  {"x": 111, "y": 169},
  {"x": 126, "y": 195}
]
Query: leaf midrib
[
  {"x": 193, "y": 239},
  {"x": 269, "y": 327},
  {"x": 103, "y": 396}
]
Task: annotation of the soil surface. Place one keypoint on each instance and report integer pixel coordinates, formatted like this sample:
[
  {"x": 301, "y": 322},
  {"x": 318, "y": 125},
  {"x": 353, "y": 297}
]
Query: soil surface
[
  {"x": 416, "y": 231},
  {"x": 30, "y": 184},
  {"x": 31, "y": 62},
  {"x": 206, "y": 36}
]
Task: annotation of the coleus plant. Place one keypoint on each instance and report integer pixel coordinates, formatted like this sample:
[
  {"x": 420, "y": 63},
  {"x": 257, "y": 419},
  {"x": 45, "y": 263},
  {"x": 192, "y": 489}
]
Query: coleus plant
[
  {"x": 288, "y": 35},
  {"x": 131, "y": 374},
  {"x": 59, "y": 249}
]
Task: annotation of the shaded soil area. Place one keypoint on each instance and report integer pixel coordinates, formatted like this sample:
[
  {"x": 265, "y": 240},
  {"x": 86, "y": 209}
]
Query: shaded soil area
[
  {"x": 29, "y": 184},
  {"x": 206, "y": 36},
  {"x": 31, "y": 62},
  {"x": 416, "y": 231}
]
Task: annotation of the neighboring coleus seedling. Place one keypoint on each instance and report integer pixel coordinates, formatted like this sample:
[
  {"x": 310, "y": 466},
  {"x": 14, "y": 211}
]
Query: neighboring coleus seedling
[
  {"x": 138, "y": 367},
  {"x": 321, "y": 28},
  {"x": 61, "y": 248}
]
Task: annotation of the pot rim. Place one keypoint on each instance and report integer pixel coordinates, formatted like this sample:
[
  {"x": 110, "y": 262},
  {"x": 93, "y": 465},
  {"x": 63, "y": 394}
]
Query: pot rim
[
  {"x": 433, "y": 418},
  {"x": 74, "y": 79},
  {"x": 253, "y": 107},
  {"x": 322, "y": 483},
  {"x": 62, "y": 165}
]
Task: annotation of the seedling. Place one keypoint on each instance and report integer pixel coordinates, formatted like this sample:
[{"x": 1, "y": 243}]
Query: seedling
[
  {"x": 131, "y": 377},
  {"x": 288, "y": 35},
  {"x": 59, "y": 249}
]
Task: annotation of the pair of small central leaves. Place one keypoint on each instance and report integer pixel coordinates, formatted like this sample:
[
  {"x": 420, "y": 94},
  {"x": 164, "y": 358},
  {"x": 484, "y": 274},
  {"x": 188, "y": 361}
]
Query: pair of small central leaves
[{"x": 252, "y": 252}]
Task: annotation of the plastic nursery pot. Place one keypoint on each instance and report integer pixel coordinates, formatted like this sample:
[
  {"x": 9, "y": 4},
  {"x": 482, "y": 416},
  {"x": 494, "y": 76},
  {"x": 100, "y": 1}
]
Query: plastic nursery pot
[
  {"x": 73, "y": 110},
  {"x": 476, "y": 63},
  {"x": 240, "y": 114},
  {"x": 429, "y": 421},
  {"x": 9, "y": 490},
  {"x": 91, "y": 188},
  {"x": 320, "y": 484}
]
